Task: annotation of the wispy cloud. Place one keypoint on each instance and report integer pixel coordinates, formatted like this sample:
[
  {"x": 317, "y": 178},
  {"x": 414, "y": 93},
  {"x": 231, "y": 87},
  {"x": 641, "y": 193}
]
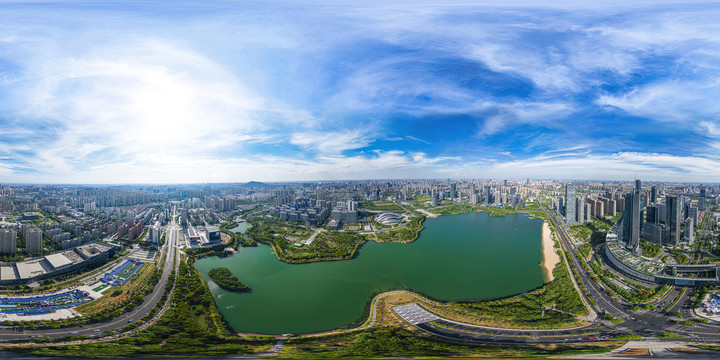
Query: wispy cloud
[{"x": 315, "y": 91}]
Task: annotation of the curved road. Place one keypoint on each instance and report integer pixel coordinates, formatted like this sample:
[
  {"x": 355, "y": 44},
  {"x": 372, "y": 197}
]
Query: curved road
[
  {"x": 169, "y": 250},
  {"x": 643, "y": 323}
]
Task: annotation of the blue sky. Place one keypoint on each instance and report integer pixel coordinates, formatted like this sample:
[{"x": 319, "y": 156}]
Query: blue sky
[{"x": 137, "y": 92}]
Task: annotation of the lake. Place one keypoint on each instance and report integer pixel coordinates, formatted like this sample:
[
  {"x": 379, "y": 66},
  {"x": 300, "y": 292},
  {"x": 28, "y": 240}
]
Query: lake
[{"x": 456, "y": 257}]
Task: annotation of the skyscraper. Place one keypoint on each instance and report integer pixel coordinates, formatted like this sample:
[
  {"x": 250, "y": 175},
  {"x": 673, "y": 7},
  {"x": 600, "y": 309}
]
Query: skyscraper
[
  {"x": 588, "y": 212},
  {"x": 580, "y": 208},
  {"x": 630, "y": 223},
  {"x": 689, "y": 232},
  {"x": 672, "y": 204},
  {"x": 653, "y": 194},
  {"x": 653, "y": 215},
  {"x": 570, "y": 210}
]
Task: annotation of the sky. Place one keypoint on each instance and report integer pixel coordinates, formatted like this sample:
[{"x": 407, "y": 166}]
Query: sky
[{"x": 208, "y": 91}]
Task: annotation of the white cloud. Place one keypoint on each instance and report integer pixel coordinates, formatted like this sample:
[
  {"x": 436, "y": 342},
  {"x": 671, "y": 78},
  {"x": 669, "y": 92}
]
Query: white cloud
[
  {"x": 503, "y": 116},
  {"x": 168, "y": 168},
  {"x": 332, "y": 142},
  {"x": 617, "y": 166},
  {"x": 671, "y": 100}
]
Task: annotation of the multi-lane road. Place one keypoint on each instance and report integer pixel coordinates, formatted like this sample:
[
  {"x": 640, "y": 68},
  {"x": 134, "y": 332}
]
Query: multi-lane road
[
  {"x": 643, "y": 323},
  {"x": 96, "y": 330}
]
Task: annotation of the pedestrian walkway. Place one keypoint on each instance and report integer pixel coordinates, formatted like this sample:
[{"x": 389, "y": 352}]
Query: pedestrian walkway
[{"x": 415, "y": 314}]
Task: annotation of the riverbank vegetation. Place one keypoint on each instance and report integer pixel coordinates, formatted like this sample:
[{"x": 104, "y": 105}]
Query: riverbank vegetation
[
  {"x": 236, "y": 239},
  {"x": 407, "y": 233},
  {"x": 456, "y": 209},
  {"x": 285, "y": 239},
  {"x": 191, "y": 326},
  {"x": 553, "y": 305},
  {"x": 225, "y": 279}
]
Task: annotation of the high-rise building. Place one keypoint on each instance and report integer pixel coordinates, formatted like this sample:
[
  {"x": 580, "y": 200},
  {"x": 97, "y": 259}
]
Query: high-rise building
[
  {"x": 8, "y": 241},
  {"x": 653, "y": 232},
  {"x": 453, "y": 190},
  {"x": 184, "y": 216},
  {"x": 673, "y": 221},
  {"x": 652, "y": 215},
  {"x": 661, "y": 213},
  {"x": 580, "y": 208},
  {"x": 701, "y": 201},
  {"x": 588, "y": 212},
  {"x": 155, "y": 233},
  {"x": 691, "y": 212},
  {"x": 570, "y": 210},
  {"x": 561, "y": 205},
  {"x": 486, "y": 195},
  {"x": 653, "y": 194},
  {"x": 33, "y": 240},
  {"x": 689, "y": 231},
  {"x": 630, "y": 223}
]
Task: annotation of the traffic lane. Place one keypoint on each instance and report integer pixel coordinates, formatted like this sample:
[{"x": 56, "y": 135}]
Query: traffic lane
[{"x": 98, "y": 328}]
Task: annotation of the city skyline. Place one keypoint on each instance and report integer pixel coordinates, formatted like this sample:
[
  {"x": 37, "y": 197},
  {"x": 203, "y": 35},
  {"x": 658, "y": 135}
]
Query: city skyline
[{"x": 130, "y": 92}]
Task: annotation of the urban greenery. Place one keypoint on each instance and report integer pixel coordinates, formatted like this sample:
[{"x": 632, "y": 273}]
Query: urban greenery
[
  {"x": 192, "y": 325},
  {"x": 545, "y": 307},
  {"x": 649, "y": 249},
  {"x": 397, "y": 342},
  {"x": 224, "y": 278},
  {"x": 407, "y": 233}
]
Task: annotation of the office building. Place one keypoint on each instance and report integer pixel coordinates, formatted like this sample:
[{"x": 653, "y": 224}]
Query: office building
[
  {"x": 580, "y": 208},
  {"x": 629, "y": 231},
  {"x": 653, "y": 194},
  {"x": 673, "y": 221},
  {"x": 652, "y": 215},
  {"x": 570, "y": 203},
  {"x": 652, "y": 232},
  {"x": 689, "y": 231},
  {"x": 184, "y": 216}
]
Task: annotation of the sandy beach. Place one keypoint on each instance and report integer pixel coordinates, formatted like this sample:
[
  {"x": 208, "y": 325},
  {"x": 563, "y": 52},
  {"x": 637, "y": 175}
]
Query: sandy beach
[
  {"x": 428, "y": 214},
  {"x": 550, "y": 256}
]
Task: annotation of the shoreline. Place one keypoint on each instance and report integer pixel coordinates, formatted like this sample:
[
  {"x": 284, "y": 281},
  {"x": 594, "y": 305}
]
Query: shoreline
[{"x": 550, "y": 256}]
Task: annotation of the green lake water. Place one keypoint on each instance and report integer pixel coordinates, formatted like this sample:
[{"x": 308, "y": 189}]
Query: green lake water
[
  {"x": 456, "y": 257},
  {"x": 241, "y": 227}
]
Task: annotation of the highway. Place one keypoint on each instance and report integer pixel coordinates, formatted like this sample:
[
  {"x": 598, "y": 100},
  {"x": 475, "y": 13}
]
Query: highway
[
  {"x": 643, "y": 323},
  {"x": 169, "y": 251}
]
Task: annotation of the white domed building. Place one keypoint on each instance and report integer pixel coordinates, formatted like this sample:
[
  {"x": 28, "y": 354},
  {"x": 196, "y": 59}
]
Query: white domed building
[{"x": 389, "y": 218}]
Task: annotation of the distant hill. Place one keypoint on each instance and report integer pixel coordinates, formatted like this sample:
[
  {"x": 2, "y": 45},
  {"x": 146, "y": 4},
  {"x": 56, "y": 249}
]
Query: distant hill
[{"x": 256, "y": 184}]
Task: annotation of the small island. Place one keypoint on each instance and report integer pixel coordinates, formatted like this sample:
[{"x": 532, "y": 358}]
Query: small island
[{"x": 226, "y": 280}]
